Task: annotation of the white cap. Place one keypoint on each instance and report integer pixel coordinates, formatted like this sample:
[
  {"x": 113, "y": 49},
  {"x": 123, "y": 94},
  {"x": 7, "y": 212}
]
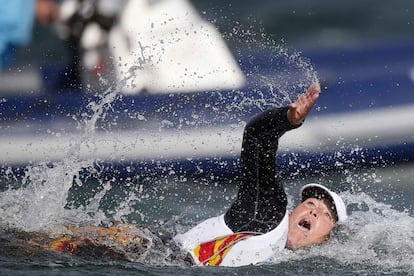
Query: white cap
[{"x": 317, "y": 191}]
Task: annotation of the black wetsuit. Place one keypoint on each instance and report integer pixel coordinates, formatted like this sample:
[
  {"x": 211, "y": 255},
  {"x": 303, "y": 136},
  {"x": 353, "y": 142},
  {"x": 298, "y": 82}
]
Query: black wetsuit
[{"x": 261, "y": 200}]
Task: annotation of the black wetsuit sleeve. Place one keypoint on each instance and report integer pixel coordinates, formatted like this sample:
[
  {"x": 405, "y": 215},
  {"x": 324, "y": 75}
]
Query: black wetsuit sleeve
[{"x": 261, "y": 200}]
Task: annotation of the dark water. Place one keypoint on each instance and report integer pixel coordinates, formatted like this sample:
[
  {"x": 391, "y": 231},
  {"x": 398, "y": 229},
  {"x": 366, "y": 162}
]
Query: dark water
[
  {"x": 316, "y": 23},
  {"x": 379, "y": 235}
]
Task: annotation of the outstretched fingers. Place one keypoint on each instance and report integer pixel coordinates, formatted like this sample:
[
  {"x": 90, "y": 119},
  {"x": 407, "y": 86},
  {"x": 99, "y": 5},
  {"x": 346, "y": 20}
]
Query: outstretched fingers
[{"x": 303, "y": 105}]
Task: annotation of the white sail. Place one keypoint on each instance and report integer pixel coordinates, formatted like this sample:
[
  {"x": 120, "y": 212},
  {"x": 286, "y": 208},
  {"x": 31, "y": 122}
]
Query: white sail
[{"x": 165, "y": 46}]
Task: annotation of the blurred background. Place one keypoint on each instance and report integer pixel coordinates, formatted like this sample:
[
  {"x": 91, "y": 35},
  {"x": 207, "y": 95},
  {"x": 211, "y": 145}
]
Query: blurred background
[
  {"x": 265, "y": 54},
  {"x": 300, "y": 23},
  {"x": 303, "y": 24}
]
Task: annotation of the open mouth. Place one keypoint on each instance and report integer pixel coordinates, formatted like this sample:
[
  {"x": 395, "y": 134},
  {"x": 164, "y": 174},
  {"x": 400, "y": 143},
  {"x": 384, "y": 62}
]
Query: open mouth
[{"x": 305, "y": 224}]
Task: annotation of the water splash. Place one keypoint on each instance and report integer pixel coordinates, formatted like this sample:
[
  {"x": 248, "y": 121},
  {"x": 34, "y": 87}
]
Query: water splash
[
  {"x": 40, "y": 203},
  {"x": 376, "y": 236},
  {"x": 276, "y": 74}
]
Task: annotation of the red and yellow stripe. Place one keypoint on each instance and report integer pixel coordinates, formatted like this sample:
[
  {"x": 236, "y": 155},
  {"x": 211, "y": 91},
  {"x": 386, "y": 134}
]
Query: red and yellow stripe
[{"x": 213, "y": 252}]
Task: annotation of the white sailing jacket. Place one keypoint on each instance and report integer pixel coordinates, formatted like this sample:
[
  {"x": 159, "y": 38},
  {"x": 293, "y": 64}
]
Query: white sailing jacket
[{"x": 248, "y": 250}]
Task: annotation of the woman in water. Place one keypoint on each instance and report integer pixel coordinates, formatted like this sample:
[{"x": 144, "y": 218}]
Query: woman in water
[
  {"x": 255, "y": 227},
  {"x": 257, "y": 224}
]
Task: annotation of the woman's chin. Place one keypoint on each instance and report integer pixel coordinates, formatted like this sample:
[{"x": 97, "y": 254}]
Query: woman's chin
[{"x": 291, "y": 245}]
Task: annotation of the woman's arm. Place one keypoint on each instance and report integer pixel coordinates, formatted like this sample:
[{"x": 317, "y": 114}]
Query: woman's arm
[{"x": 261, "y": 201}]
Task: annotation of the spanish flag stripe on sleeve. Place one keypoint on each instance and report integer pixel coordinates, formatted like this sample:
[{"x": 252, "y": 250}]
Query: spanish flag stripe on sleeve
[{"x": 213, "y": 252}]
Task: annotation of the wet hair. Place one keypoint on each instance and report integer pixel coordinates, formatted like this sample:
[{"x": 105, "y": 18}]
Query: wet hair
[
  {"x": 315, "y": 192},
  {"x": 331, "y": 207}
]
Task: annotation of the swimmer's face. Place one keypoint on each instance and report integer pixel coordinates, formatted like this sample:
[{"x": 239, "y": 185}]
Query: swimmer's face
[{"x": 310, "y": 223}]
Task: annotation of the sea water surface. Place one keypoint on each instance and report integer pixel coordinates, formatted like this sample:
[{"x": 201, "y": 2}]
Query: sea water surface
[{"x": 377, "y": 239}]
